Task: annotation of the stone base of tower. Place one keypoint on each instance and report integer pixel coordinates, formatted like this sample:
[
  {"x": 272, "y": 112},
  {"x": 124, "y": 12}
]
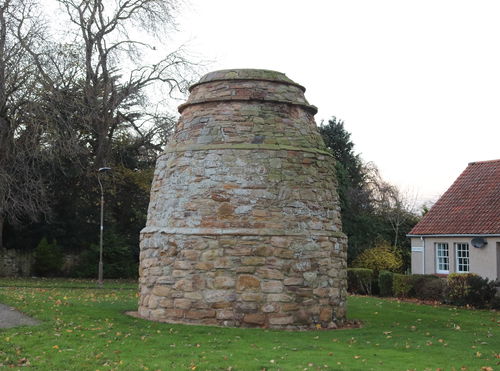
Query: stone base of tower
[{"x": 243, "y": 281}]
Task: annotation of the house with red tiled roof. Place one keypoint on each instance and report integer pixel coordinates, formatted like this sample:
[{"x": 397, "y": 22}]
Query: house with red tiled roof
[{"x": 461, "y": 232}]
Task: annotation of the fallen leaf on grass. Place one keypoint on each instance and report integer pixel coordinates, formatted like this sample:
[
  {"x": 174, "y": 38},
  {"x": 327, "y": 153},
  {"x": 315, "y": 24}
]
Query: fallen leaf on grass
[{"x": 23, "y": 362}]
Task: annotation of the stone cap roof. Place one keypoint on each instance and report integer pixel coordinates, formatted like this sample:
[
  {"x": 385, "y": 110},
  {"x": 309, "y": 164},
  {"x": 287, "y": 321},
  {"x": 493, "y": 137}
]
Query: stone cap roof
[
  {"x": 247, "y": 74},
  {"x": 470, "y": 206}
]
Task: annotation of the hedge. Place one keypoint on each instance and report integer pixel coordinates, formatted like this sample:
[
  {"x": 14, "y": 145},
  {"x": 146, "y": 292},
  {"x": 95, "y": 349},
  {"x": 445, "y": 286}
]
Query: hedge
[
  {"x": 385, "y": 283},
  {"x": 470, "y": 289},
  {"x": 427, "y": 287},
  {"x": 402, "y": 285},
  {"x": 359, "y": 280}
]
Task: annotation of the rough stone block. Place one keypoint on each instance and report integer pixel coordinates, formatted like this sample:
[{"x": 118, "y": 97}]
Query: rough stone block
[
  {"x": 161, "y": 290},
  {"x": 182, "y": 303},
  {"x": 224, "y": 282},
  {"x": 247, "y": 282},
  {"x": 253, "y": 260},
  {"x": 200, "y": 313},
  {"x": 255, "y": 318},
  {"x": 281, "y": 320},
  {"x": 274, "y": 286}
]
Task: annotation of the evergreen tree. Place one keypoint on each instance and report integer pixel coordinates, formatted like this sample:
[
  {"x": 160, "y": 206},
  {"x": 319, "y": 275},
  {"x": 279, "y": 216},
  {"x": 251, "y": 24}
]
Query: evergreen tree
[{"x": 372, "y": 210}]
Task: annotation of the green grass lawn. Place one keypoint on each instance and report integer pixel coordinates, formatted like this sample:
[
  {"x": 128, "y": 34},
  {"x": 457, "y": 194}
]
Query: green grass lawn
[{"x": 84, "y": 328}]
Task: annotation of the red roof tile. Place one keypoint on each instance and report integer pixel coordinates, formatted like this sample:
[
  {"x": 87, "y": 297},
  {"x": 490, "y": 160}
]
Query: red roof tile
[{"x": 470, "y": 206}]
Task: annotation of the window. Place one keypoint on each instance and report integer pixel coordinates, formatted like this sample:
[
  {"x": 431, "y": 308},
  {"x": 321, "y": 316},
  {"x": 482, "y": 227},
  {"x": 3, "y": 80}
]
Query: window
[
  {"x": 462, "y": 254},
  {"x": 442, "y": 258}
]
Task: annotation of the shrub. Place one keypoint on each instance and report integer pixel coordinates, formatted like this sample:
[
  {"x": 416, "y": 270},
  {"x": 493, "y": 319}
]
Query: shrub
[
  {"x": 48, "y": 259},
  {"x": 379, "y": 258},
  {"x": 402, "y": 285},
  {"x": 425, "y": 286},
  {"x": 457, "y": 288},
  {"x": 385, "y": 283},
  {"x": 359, "y": 280},
  {"x": 430, "y": 289},
  {"x": 482, "y": 291},
  {"x": 470, "y": 289},
  {"x": 495, "y": 303},
  {"x": 118, "y": 259}
]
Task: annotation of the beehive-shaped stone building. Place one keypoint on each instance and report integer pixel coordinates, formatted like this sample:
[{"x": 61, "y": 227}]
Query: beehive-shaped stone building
[{"x": 243, "y": 225}]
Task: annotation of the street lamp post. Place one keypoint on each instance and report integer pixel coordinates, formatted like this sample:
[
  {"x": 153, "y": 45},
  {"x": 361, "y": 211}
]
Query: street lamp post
[{"x": 100, "y": 278}]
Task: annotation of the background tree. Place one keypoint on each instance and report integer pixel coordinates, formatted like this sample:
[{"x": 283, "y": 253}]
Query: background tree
[
  {"x": 374, "y": 212},
  {"x": 22, "y": 188},
  {"x": 114, "y": 97},
  {"x": 355, "y": 197},
  {"x": 93, "y": 101}
]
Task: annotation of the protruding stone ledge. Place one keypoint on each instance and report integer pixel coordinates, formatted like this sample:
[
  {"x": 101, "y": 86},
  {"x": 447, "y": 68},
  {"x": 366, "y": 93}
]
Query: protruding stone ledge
[
  {"x": 308, "y": 107},
  {"x": 239, "y": 232},
  {"x": 244, "y": 146}
]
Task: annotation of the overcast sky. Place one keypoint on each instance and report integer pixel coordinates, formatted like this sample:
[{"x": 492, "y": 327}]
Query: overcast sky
[{"x": 416, "y": 82}]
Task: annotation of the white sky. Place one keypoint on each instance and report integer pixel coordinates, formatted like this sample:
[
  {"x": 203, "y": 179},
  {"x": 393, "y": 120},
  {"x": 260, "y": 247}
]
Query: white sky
[{"x": 416, "y": 82}]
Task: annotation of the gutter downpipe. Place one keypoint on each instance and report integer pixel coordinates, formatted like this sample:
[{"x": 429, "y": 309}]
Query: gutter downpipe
[{"x": 423, "y": 254}]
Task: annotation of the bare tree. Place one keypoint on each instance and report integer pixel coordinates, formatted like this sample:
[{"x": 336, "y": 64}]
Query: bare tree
[
  {"x": 114, "y": 96},
  {"x": 69, "y": 101},
  {"x": 396, "y": 206},
  {"x": 21, "y": 184}
]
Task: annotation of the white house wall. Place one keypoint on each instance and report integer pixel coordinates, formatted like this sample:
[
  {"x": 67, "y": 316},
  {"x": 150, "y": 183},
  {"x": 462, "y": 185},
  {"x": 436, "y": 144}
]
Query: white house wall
[{"x": 483, "y": 261}]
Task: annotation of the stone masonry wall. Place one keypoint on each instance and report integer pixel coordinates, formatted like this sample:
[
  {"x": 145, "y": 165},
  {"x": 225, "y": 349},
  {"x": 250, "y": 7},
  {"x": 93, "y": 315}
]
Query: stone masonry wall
[
  {"x": 15, "y": 263},
  {"x": 243, "y": 225}
]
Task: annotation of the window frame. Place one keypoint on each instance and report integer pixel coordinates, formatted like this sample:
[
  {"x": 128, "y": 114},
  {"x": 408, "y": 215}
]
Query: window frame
[
  {"x": 442, "y": 246},
  {"x": 459, "y": 255}
]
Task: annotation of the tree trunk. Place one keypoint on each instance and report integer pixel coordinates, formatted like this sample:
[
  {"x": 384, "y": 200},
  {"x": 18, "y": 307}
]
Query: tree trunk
[{"x": 1, "y": 231}]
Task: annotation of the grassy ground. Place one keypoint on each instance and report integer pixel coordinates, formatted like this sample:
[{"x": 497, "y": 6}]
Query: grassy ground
[{"x": 84, "y": 328}]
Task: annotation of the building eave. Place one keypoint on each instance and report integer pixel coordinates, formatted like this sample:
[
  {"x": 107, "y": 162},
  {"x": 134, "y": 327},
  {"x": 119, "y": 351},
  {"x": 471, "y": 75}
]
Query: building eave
[{"x": 455, "y": 235}]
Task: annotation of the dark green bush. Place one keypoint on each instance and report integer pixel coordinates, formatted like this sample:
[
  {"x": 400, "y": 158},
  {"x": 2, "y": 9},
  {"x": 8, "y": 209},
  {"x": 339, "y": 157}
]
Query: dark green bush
[
  {"x": 385, "y": 282},
  {"x": 118, "y": 259},
  {"x": 482, "y": 291},
  {"x": 359, "y": 280},
  {"x": 426, "y": 287},
  {"x": 48, "y": 259},
  {"x": 402, "y": 285},
  {"x": 431, "y": 289},
  {"x": 495, "y": 303},
  {"x": 470, "y": 289}
]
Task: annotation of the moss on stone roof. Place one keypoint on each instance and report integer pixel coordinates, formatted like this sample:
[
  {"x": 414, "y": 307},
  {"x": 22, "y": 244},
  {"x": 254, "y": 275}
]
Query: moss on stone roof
[{"x": 247, "y": 74}]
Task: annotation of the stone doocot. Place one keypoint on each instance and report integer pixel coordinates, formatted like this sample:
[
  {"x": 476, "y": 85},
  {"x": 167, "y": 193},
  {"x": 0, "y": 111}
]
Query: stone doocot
[{"x": 243, "y": 225}]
